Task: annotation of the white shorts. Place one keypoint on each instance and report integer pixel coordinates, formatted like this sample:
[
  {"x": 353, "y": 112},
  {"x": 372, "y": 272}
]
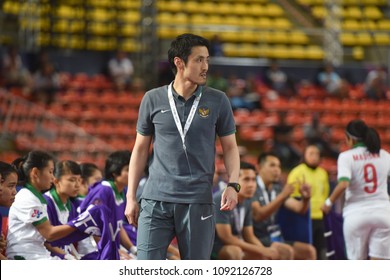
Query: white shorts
[{"x": 367, "y": 234}]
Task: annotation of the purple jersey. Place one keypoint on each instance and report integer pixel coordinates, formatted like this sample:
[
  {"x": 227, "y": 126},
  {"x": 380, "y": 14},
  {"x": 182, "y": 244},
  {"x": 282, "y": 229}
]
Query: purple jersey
[
  {"x": 52, "y": 201},
  {"x": 1, "y": 223},
  {"x": 54, "y": 207},
  {"x": 105, "y": 193},
  {"x": 334, "y": 236}
]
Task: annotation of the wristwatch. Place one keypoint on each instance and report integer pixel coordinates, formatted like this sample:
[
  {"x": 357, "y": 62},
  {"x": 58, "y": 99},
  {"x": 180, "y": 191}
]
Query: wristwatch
[{"x": 235, "y": 186}]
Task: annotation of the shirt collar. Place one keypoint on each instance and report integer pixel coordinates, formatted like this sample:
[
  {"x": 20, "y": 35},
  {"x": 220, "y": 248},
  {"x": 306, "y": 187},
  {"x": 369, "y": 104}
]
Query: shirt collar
[
  {"x": 118, "y": 195},
  {"x": 196, "y": 94},
  {"x": 359, "y": 144},
  {"x": 36, "y": 193},
  {"x": 58, "y": 202}
]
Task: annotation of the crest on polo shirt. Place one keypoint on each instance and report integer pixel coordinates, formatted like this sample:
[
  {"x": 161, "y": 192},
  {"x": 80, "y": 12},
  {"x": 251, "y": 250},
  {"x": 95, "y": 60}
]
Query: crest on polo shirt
[{"x": 203, "y": 111}]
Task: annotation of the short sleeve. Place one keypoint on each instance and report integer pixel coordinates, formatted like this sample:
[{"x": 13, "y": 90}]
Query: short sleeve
[
  {"x": 344, "y": 167},
  {"x": 292, "y": 179},
  {"x": 248, "y": 214},
  {"x": 32, "y": 211},
  {"x": 144, "y": 123},
  {"x": 258, "y": 196},
  {"x": 225, "y": 124},
  {"x": 388, "y": 160}
]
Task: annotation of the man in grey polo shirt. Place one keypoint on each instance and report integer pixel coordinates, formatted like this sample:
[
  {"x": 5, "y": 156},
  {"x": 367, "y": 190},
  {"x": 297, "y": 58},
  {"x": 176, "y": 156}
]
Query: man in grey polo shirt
[{"x": 182, "y": 120}]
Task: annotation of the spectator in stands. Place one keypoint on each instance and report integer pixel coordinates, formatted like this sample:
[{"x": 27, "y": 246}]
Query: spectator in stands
[
  {"x": 46, "y": 84},
  {"x": 121, "y": 70},
  {"x": 60, "y": 204},
  {"x": 269, "y": 197},
  {"x": 332, "y": 82},
  {"x": 234, "y": 236},
  {"x": 252, "y": 96},
  {"x": 282, "y": 144},
  {"x": 236, "y": 92},
  {"x": 14, "y": 73},
  {"x": 242, "y": 93},
  {"x": 218, "y": 81},
  {"x": 216, "y": 46},
  {"x": 319, "y": 134},
  {"x": 8, "y": 182},
  {"x": 39, "y": 59},
  {"x": 317, "y": 178},
  {"x": 376, "y": 83},
  {"x": 277, "y": 79},
  {"x": 138, "y": 86},
  {"x": 29, "y": 226}
]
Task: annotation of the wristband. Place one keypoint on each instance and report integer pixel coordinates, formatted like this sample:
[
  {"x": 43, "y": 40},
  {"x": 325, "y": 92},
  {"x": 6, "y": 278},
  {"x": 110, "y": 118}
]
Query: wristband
[
  {"x": 328, "y": 202},
  {"x": 133, "y": 250}
]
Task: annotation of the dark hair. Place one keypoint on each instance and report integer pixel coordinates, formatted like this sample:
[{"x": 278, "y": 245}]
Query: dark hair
[
  {"x": 247, "y": 165},
  {"x": 182, "y": 46},
  {"x": 6, "y": 169},
  {"x": 311, "y": 144},
  {"x": 65, "y": 167},
  {"x": 36, "y": 158},
  {"x": 360, "y": 132},
  {"x": 87, "y": 170},
  {"x": 115, "y": 163},
  {"x": 263, "y": 156}
]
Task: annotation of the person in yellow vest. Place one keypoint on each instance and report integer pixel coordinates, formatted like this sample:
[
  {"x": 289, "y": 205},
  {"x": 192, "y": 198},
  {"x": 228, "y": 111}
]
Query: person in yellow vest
[{"x": 310, "y": 172}]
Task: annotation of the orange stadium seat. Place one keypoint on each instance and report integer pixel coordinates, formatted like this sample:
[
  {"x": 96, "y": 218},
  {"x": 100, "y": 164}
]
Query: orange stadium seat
[
  {"x": 338, "y": 134},
  {"x": 250, "y": 134},
  {"x": 241, "y": 116},
  {"x": 331, "y": 120},
  {"x": 294, "y": 118}
]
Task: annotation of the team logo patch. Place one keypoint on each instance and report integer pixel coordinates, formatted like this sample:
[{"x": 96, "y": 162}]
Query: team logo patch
[
  {"x": 36, "y": 214},
  {"x": 203, "y": 111}
]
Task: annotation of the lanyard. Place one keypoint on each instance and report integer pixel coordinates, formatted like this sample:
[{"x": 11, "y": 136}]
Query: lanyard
[
  {"x": 239, "y": 217},
  {"x": 176, "y": 115},
  {"x": 267, "y": 197}
]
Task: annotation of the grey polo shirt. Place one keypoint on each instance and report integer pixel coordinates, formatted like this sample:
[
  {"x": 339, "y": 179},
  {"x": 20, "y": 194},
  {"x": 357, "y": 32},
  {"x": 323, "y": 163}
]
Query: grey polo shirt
[
  {"x": 173, "y": 175},
  {"x": 238, "y": 219},
  {"x": 261, "y": 228}
]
